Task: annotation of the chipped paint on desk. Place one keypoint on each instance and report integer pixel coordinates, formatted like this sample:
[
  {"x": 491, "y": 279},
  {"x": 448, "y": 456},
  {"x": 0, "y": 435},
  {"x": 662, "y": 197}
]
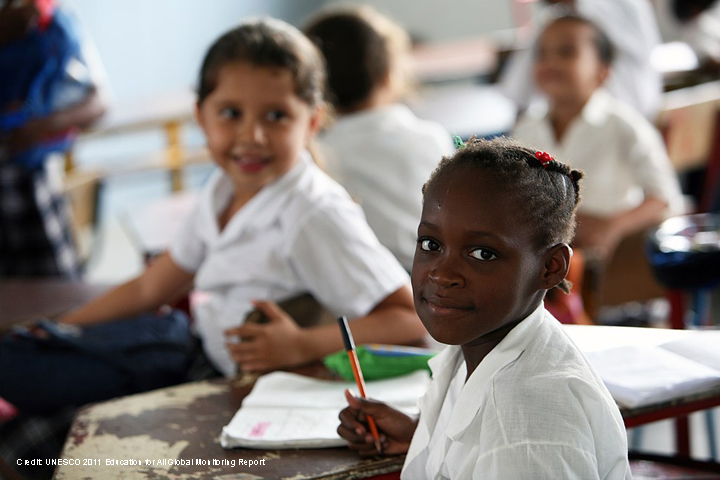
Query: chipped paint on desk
[{"x": 183, "y": 423}]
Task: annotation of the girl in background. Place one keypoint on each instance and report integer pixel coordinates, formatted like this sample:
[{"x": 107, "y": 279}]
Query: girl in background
[{"x": 377, "y": 149}]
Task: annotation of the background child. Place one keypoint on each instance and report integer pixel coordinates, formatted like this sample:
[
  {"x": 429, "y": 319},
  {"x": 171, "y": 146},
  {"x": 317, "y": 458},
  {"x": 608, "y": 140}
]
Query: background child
[
  {"x": 512, "y": 396},
  {"x": 631, "y": 27},
  {"x": 48, "y": 89},
  {"x": 269, "y": 225},
  {"x": 694, "y": 22},
  {"x": 378, "y": 149},
  {"x": 630, "y": 183}
]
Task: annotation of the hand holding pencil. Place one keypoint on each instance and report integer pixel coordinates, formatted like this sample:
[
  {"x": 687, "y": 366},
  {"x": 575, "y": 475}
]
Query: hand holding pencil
[{"x": 371, "y": 427}]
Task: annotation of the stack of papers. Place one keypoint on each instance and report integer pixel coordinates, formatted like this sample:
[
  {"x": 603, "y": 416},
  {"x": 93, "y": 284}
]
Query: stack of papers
[
  {"x": 285, "y": 410},
  {"x": 641, "y": 375}
]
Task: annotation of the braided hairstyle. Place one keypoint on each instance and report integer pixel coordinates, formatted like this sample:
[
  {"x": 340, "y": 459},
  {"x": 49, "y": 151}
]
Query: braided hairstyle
[{"x": 547, "y": 193}]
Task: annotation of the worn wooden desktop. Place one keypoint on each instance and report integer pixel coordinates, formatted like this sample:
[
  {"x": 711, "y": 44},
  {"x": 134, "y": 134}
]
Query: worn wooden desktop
[{"x": 179, "y": 426}]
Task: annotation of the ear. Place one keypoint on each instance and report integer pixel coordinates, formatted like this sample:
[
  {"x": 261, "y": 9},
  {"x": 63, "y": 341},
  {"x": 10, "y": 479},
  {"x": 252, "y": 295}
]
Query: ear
[
  {"x": 198, "y": 115},
  {"x": 316, "y": 121},
  {"x": 556, "y": 266},
  {"x": 603, "y": 74}
]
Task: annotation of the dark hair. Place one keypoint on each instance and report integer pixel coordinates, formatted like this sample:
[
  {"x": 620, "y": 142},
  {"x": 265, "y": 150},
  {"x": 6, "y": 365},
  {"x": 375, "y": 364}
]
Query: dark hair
[
  {"x": 604, "y": 47},
  {"x": 686, "y": 10},
  {"x": 361, "y": 49},
  {"x": 270, "y": 43},
  {"x": 549, "y": 193}
]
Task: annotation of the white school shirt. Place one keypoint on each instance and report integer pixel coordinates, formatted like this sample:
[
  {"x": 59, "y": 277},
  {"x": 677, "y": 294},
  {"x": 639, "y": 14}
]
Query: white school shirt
[
  {"x": 631, "y": 27},
  {"x": 533, "y": 409},
  {"x": 383, "y": 157},
  {"x": 621, "y": 153},
  {"x": 300, "y": 234}
]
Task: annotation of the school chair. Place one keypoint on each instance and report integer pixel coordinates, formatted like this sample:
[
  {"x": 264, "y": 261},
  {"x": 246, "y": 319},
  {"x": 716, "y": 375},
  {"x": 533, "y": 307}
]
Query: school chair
[
  {"x": 684, "y": 253},
  {"x": 83, "y": 191},
  {"x": 623, "y": 278},
  {"x": 689, "y": 124}
]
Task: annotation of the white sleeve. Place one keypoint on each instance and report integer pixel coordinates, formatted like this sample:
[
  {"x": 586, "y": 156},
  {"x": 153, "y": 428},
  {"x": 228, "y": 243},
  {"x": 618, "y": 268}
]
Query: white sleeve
[
  {"x": 340, "y": 261},
  {"x": 188, "y": 249},
  {"x": 651, "y": 166}
]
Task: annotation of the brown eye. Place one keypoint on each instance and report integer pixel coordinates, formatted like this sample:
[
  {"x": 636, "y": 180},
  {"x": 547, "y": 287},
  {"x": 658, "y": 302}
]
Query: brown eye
[
  {"x": 428, "y": 245},
  {"x": 276, "y": 115},
  {"x": 230, "y": 113},
  {"x": 483, "y": 254}
]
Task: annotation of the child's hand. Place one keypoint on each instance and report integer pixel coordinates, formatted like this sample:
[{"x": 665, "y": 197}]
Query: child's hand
[
  {"x": 269, "y": 346},
  {"x": 597, "y": 234},
  {"x": 29, "y": 135},
  {"x": 396, "y": 428}
]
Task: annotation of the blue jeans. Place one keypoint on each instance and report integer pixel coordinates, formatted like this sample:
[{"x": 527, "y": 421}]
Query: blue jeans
[{"x": 40, "y": 375}]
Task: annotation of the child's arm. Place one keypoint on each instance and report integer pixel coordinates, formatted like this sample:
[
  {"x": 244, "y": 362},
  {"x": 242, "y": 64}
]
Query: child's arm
[
  {"x": 162, "y": 280},
  {"x": 36, "y": 130},
  {"x": 604, "y": 234},
  {"x": 396, "y": 428},
  {"x": 281, "y": 343}
]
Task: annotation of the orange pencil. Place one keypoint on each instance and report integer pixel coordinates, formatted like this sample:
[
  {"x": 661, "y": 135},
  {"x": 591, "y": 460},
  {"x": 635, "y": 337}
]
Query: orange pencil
[{"x": 355, "y": 364}]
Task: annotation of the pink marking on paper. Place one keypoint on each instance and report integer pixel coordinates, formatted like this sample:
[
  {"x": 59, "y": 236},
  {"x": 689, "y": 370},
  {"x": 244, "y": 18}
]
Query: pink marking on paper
[{"x": 259, "y": 429}]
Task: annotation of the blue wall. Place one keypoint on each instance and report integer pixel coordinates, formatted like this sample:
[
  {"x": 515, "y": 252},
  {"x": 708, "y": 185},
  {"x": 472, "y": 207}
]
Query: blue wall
[{"x": 150, "y": 46}]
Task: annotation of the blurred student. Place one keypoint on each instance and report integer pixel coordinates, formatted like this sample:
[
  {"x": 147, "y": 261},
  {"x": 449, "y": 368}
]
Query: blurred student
[
  {"x": 631, "y": 27},
  {"x": 629, "y": 181},
  {"x": 377, "y": 149},
  {"x": 269, "y": 225},
  {"x": 48, "y": 91},
  {"x": 695, "y": 22}
]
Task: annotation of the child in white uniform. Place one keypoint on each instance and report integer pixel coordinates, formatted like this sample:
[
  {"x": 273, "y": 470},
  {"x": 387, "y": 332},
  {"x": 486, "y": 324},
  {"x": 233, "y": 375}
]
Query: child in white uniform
[
  {"x": 270, "y": 225},
  {"x": 631, "y": 27},
  {"x": 629, "y": 181},
  {"x": 377, "y": 149},
  {"x": 512, "y": 397}
]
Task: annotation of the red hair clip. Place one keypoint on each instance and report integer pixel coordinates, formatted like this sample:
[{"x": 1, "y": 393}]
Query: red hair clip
[{"x": 544, "y": 158}]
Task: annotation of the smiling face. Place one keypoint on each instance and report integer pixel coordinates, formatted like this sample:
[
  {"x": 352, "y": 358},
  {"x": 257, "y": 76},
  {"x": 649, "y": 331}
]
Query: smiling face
[
  {"x": 567, "y": 64},
  {"x": 477, "y": 265},
  {"x": 256, "y": 126}
]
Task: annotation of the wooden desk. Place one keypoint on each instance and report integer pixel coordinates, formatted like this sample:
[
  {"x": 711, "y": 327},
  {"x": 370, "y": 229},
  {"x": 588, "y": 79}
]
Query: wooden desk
[
  {"x": 22, "y": 300},
  {"x": 184, "y": 422},
  {"x": 181, "y": 425}
]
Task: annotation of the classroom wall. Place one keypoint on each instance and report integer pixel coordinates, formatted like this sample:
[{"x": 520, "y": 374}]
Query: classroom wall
[
  {"x": 149, "y": 46},
  {"x": 437, "y": 20}
]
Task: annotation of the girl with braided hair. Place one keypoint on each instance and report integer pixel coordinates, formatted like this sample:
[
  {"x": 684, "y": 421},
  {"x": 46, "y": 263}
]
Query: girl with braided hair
[{"x": 511, "y": 396}]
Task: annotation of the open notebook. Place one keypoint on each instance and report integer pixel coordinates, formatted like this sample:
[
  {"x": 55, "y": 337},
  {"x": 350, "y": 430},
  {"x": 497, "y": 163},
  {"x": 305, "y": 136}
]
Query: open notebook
[
  {"x": 285, "y": 410},
  {"x": 641, "y": 375}
]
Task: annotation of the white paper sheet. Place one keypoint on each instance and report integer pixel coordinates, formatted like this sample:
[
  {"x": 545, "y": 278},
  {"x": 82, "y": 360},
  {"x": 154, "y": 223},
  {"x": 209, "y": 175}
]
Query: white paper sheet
[
  {"x": 286, "y": 410},
  {"x": 644, "y": 375}
]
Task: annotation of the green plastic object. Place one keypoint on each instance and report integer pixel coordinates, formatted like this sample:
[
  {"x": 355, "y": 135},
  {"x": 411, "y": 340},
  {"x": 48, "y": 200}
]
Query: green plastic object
[{"x": 380, "y": 361}]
